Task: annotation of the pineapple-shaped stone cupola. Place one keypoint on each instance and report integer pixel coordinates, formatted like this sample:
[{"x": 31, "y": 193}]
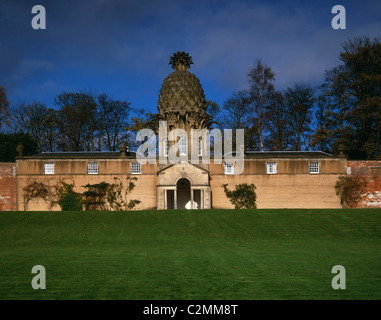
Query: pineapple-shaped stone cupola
[
  {"x": 182, "y": 101},
  {"x": 181, "y": 95}
]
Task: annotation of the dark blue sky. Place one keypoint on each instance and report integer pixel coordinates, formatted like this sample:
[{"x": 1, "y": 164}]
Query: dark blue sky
[{"x": 122, "y": 47}]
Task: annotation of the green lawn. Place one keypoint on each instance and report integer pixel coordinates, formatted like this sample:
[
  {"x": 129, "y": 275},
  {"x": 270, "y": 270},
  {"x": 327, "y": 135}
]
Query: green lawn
[{"x": 215, "y": 254}]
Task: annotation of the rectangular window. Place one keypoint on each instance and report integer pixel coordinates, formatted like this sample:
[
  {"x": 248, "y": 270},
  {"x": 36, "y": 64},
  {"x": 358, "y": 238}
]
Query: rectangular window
[
  {"x": 165, "y": 147},
  {"x": 272, "y": 167},
  {"x": 200, "y": 147},
  {"x": 183, "y": 146},
  {"x": 229, "y": 168},
  {"x": 49, "y": 168},
  {"x": 314, "y": 167},
  {"x": 92, "y": 168},
  {"x": 136, "y": 168}
]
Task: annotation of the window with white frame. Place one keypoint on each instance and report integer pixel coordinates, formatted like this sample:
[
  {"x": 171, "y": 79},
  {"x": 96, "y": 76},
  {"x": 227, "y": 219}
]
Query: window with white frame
[
  {"x": 229, "y": 168},
  {"x": 136, "y": 168},
  {"x": 165, "y": 147},
  {"x": 49, "y": 168},
  {"x": 314, "y": 167},
  {"x": 272, "y": 167},
  {"x": 92, "y": 168},
  {"x": 199, "y": 146},
  {"x": 183, "y": 146}
]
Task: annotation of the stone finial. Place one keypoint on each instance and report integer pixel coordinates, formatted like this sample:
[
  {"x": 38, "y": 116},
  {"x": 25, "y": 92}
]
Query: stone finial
[
  {"x": 181, "y": 61},
  {"x": 341, "y": 149},
  {"x": 19, "y": 149},
  {"x": 123, "y": 149}
]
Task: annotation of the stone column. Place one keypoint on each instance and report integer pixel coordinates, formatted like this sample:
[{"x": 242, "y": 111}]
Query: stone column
[{"x": 175, "y": 196}]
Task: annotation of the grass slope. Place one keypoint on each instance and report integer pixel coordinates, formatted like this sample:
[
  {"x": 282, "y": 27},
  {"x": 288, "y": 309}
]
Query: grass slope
[{"x": 215, "y": 254}]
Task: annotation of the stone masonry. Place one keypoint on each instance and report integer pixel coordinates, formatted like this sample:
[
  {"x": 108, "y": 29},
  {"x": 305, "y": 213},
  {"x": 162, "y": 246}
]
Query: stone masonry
[
  {"x": 7, "y": 186},
  {"x": 371, "y": 172}
]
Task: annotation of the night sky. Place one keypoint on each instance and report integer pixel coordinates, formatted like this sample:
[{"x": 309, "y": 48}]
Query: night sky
[{"x": 123, "y": 47}]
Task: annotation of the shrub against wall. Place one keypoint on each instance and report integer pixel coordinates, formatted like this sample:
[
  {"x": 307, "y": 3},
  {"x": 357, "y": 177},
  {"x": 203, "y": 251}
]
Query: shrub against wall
[
  {"x": 243, "y": 197},
  {"x": 68, "y": 199},
  {"x": 350, "y": 189},
  {"x": 109, "y": 196},
  {"x": 101, "y": 196}
]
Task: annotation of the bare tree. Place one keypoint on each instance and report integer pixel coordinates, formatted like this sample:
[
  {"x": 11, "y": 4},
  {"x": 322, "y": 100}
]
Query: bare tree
[
  {"x": 4, "y": 112},
  {"x": 236, "y": 110},
  {"x": 77, "y": 114},
  {"x": 300, "y": 102},
  {"x": 112, "y": 120},
  {"x": 37, "y": 120},
  {"x": 278, "y": 123},
  {"x": 261, "y": 79}
]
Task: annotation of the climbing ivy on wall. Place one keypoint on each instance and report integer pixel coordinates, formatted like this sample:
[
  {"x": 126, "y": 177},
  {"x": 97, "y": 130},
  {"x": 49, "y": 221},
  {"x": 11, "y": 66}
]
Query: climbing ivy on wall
[
  {"x": 109, "y": 196},
  {"x": 350, "y": 189},
  {"x": 37, "y": 189},
  {"x": 101, "y": 196},
  {"x": 68, "y": 199},
  {"x": 243, "y": 197}
]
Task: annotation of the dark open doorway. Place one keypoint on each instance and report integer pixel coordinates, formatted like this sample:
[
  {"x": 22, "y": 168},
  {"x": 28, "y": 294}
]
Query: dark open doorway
[{"x": 183, "y": 192}]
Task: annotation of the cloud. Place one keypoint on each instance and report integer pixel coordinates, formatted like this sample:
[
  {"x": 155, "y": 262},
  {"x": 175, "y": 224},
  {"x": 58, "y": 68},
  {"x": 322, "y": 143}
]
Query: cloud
[{"x": 124, "y": 46}]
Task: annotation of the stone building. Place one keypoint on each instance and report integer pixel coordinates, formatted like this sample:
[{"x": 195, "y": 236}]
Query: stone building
[{"x": 282, "y": 179}]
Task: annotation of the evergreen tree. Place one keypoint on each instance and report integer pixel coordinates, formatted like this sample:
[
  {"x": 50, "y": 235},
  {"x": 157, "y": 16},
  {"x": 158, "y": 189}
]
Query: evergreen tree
[{"x": 353, "y": 94}]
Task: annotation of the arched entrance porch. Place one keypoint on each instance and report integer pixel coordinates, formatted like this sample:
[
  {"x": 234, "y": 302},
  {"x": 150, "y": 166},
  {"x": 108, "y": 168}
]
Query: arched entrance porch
[{"x": 183, "y": 186}]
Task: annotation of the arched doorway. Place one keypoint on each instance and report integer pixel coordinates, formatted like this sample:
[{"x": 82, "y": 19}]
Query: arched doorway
[{"x": 183, "y": 189}]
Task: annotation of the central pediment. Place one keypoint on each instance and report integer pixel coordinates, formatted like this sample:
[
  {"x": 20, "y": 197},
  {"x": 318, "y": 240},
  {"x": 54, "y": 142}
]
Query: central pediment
[{"x": 169, "y": 175}]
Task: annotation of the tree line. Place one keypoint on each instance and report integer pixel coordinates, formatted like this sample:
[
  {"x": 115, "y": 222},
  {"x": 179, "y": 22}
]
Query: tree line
[
  {"x": 343, "y": 112},
  {"x": 80, "y": 121}
]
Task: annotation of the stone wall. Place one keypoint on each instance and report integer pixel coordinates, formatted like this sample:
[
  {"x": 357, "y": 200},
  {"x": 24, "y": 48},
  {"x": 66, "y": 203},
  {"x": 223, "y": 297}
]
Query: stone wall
[
  {"x": 7, "y": 186},
  {"x": 292, "y": 187},
  {"x": 75, "y": 171},
  {"x": 371, "y": 172}
]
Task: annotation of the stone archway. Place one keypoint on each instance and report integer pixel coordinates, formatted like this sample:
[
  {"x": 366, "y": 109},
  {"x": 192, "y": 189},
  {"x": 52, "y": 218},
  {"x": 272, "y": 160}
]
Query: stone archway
[
  {"x": 183, "y": 189},
  {"x": 183, "y": 186}
]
